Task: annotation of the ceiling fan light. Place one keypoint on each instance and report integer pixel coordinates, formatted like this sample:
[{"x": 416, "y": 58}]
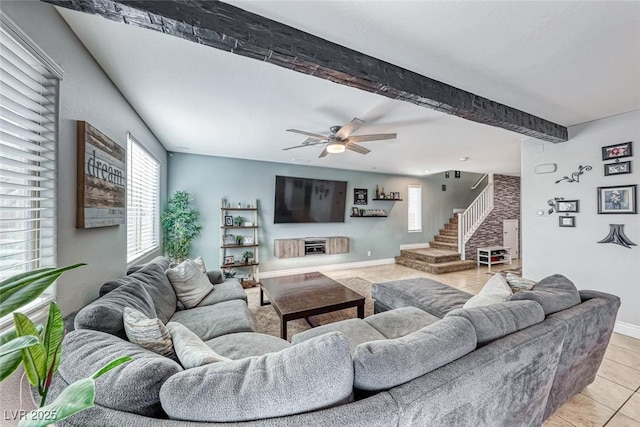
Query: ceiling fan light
[{"x": 335, "y": 148}]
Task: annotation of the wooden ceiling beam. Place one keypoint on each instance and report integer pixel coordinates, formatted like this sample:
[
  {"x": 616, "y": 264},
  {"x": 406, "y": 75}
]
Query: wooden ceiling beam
[{"x": 222, "y": 26}]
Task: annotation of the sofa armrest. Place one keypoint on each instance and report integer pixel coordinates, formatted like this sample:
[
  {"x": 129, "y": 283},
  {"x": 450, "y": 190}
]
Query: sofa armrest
[{"x": 215, "y": 276}]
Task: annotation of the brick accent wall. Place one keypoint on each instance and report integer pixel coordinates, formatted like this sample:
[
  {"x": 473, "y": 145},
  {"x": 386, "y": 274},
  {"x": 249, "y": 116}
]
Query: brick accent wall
[{"x": 506, "y": 206}]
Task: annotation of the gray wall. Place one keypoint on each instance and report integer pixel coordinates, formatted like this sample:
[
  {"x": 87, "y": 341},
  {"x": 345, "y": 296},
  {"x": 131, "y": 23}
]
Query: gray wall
[
  {"x": 209, "y": 179},
  {"x": 548, "y": 248},
  {"x": 85, "y": 94}
]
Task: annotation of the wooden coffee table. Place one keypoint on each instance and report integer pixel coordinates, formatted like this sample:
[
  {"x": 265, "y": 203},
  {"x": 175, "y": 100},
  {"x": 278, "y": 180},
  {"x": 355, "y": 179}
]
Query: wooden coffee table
[{"x": 302, "y": 295}]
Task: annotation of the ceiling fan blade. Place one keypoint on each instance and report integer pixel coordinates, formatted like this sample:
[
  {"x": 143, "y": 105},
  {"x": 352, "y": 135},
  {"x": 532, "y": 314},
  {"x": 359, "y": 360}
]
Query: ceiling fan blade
[
  {"x": 372, "y": 137},
  {"x": 324, "y": 153},
  {"x": 357, "y": 148},
  {"x": 346, "y": 130},
  {"x": 314, "y": 135},
  {"x": 309, "y": 142}
]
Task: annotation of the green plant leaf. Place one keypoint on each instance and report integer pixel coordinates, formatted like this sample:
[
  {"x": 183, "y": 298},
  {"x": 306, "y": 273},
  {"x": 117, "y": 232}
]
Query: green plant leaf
[
  {"x": 73, "y": 399},
  {"x": 34, "y": 357},
  {"x": 17, "y": 344},
  {"x": 9, "y": 363},
  {"x": 17, "y": 291},
  {"x": 119, "y": 361},
  {"x": 53, "y": 335},
  {"x": 7, "y": 336}
]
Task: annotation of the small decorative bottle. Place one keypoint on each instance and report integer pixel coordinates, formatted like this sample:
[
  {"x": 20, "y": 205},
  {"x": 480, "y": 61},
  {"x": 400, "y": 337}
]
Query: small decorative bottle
[
  {"x": 377, "y": 192},
  {"x": 382, "y": 195}
]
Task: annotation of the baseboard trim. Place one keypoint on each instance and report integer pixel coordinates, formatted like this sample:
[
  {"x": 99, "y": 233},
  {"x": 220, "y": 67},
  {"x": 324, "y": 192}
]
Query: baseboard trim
[
  {"x": 627, "y": 329},
  {"x": 414, "y": 246},
  {"x": 330, "y": 267}
]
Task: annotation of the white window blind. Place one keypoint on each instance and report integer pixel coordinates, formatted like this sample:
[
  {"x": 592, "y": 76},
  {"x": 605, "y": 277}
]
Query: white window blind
[
  {"x": 143, "y": 201},
  {"x": 415, "y": 208},
  {"x": 28, "y": 144}
]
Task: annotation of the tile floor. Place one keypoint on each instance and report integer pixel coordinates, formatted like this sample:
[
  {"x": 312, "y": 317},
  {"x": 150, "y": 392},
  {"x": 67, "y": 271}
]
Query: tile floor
[{"x": 612, "y": 400}]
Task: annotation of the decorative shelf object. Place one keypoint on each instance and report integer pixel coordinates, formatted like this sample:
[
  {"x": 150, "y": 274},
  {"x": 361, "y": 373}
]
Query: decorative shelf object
[
  {"x": 387, "y": 200},
  {"x": 232, "y": 244}
]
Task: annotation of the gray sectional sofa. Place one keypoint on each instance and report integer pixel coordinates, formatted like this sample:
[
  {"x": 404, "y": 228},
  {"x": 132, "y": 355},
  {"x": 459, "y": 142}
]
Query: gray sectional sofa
[{"x": 407, "y": 365}]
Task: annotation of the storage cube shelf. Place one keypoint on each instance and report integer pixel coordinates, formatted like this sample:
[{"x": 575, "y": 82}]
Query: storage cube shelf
[{"x": 493, "y": 255}]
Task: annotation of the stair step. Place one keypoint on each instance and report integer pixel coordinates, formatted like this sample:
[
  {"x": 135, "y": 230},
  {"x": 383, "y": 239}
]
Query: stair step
[
  {"x": 446, "y": 238},
  {"x": 451, "y": 227},
  {"x": 440, "y": 268},
  {"x": 443, "y": 245},
  {"x": 430, "y": 255},
  {"x": 453, "y": 220},
  {"x": 447, "y": 232}
]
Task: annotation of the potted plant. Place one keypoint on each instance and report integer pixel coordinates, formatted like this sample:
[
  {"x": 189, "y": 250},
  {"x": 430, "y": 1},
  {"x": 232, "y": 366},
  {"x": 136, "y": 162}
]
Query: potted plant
[
  {"x": 239, "y": 240},
  {"x": 39, "y": 348},
  {"x": 238, "y": 221},
  {"x": 247, "y": 256},
  {"x": 181, "y": 225}
]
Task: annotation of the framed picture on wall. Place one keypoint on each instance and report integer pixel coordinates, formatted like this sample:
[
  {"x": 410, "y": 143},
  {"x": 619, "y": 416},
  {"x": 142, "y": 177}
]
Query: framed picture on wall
[
  {"x": 619, "y": 168},
  {"x": 567, "y": 221},
  {"x": 617, "y": 151},
  {"x": 620, "y": 199},
  {"x": 568, "y": 206},
  {"x": 228, "y": 221},
  {"x": 355, "y": 211},
  {"x": 360, "y": 196}
]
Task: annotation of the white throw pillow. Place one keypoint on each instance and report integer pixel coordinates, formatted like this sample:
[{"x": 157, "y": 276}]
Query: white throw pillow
[
  {"x": 189, "y": 282},
  {"x": 200, "y": 263},
  {"x": 494, "y": 291},
  {"x": 191, "y": 350},
  {"x": 150, "y": 334}
]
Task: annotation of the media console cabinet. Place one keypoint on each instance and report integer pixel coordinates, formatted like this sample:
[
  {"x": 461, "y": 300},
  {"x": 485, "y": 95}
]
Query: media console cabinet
[{"x": 293, "y": 248}]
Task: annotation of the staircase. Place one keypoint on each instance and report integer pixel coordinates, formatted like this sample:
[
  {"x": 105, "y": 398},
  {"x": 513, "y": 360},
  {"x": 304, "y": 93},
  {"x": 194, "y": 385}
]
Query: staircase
[{"x": 441, "y": 257}]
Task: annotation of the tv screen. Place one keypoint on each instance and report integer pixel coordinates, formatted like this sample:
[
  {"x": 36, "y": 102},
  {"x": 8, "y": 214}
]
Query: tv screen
[{"x": 309, "y": 200}]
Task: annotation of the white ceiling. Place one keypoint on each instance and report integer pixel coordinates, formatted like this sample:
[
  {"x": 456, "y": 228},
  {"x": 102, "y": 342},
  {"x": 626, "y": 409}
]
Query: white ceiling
[{"x": 568, "y": 62}]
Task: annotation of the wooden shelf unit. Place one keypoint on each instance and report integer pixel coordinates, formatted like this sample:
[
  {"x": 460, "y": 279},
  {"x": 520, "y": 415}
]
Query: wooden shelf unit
[
  {"x": 307, "y": 246},
  {"x": 387, "y": 200},
  {"x": 237, "y": 250},
  {"x": 492, "y": 255}
]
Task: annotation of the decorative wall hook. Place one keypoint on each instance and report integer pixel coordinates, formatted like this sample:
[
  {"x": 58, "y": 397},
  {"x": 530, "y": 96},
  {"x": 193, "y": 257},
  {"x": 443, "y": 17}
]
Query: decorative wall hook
[
  {"x": 575, "y": 177},
  {"x": 616, "y": 235}
]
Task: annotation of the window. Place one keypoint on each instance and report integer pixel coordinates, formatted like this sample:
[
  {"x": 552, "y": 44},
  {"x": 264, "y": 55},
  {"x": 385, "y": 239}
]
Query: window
[
  {"x": 415, "y": 208},
  {"x": 143, "y": 201},
  {"x": 28, "y": 143}
]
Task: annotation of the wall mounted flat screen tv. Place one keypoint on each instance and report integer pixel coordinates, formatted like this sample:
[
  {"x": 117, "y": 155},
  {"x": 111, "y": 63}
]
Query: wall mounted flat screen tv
[{"x": 309, "y": 200}]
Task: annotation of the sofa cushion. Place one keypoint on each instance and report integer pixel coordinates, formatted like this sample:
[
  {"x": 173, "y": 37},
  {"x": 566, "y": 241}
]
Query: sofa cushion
[
  {"x": 226, "y": 291},
  {"x": 214, "y": 320},
  {"x": 155, "y": 281},
  {"x": 553, "y": 293},
  {"x": 357, "y": 331},
  {"x": 105, "y": 313},
  {"x": 306, "y": 377},
  {"x": 433, "y": 297},
  {"x": 380, "y": 365},
  {"x": 247, "y": 344},
  {"x": 191, "y": 350},
  {"x": 133, "y": 387},
  {"x": 215, "y": 276},
  {"x": 190, "y": 284},
  {"x": 160, "y": 260},
  {"x": 149, "y": 334},
  {"x": 497, "y": 320},
  {"x": 495, "y": 290},
  {"x": 400, "y": 321},
  {"x": 518, "y": 283}
]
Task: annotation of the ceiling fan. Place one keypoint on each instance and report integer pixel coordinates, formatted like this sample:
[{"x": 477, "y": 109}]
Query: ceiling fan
[{"x": 340, "y": 139}]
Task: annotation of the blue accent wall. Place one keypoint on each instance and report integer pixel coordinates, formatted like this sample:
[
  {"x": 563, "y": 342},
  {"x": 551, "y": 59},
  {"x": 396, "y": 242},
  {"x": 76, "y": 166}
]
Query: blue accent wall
[{"x": 209, "y": 179}]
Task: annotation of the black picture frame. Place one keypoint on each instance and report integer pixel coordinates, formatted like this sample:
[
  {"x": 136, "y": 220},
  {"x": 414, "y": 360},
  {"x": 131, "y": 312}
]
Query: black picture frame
[
  {"x": 568, "y": 206},
  {"x": 228, "y": 260},
  {"x": 617, "y": 168},
  {"x": 567, "y": 221},
  {"x": 355, "y": 211},
  {"x": 456, "y": 174},
  {"x": 360, "y": 196},
  {"x": 446, "y": 174},
  {"x": 617, "y": 151},
  {"x": 618, "y": 199},
  {"x": 228, "y": 221}
]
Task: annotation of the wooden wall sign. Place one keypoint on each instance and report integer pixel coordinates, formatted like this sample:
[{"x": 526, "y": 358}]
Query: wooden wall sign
[{"x": 102, "y": 179}]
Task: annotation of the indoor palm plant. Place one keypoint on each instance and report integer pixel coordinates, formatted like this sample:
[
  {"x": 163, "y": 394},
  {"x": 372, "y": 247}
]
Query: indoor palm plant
[
  {"x": 39, "y": 348},
  {"x": 181, "y": 225}
]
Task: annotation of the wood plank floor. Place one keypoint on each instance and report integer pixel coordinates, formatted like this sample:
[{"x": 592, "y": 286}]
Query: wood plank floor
[{"x": 612, "y": 400}]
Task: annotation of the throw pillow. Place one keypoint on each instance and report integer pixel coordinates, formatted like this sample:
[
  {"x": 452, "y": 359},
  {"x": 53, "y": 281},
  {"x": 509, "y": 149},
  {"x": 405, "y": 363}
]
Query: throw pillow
[
  {"x": 312, "y": 375},
  {"x": 191, "y": 350},
  {"x": 494, "y": 291},
  {"x": 150, "y": 334},
  {"x": 189, "y": 282},
  {"x": 518, "y": 283},
  {"x": 200, "y": 263},
  {"x": 554, "y": 293}
]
